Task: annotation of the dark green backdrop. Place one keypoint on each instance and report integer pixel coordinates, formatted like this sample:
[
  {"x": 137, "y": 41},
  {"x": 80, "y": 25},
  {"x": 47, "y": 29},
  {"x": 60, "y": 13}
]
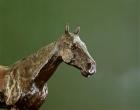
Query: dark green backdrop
[{"x": 111, "y": 30}]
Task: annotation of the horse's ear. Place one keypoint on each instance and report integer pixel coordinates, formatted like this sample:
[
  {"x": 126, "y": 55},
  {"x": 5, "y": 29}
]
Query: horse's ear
[
  {"x": 67, "y": 29},
  {"x": 77, "y": 30}
]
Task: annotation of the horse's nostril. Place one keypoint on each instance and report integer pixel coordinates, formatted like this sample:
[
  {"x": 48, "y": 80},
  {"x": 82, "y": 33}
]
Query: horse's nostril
[
  {"x": 88, "y": 66},
  {"x": 91, "y": 68}
]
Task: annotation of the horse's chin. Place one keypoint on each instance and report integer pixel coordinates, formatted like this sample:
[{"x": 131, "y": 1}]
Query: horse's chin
[{"x": 86, "y": 74}]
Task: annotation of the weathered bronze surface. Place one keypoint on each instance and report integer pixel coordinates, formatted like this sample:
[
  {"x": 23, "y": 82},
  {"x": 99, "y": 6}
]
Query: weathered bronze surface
[{"x": 23, "y": 86}]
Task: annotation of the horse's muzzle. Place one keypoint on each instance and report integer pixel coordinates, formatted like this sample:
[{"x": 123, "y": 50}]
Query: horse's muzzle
[{"x": 90, "y": 69}]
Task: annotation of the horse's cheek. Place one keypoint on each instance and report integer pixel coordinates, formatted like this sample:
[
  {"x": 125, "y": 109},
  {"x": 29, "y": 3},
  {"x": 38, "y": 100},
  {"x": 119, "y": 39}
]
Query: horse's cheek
[{"x": 66, "y": 55}]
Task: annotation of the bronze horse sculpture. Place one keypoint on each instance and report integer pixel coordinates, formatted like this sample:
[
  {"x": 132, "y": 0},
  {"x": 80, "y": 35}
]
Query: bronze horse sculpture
[{"x": 23, "y": 85}]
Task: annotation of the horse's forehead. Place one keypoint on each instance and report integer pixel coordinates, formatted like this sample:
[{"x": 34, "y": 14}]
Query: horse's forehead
[
  {"x": 79, "y": 41},
  {"x": 82, "y": 45},
  {"x": 76, "y": 39}
]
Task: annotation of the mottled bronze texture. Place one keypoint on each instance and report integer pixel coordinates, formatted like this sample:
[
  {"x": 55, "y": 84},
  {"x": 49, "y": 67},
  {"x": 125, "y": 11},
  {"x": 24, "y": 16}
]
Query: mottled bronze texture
[{"x": 23, "y": 86}]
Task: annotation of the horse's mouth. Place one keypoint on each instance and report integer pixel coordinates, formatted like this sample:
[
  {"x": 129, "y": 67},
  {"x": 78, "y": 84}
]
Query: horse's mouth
[{"x": 89, "y": 72}]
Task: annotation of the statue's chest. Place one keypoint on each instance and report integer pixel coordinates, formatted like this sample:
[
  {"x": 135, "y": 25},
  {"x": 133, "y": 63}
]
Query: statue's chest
[{"x": 34, "y": 98}]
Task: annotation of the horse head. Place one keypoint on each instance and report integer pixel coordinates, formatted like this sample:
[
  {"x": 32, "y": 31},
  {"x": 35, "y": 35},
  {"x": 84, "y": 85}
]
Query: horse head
[{"x": 73, "y": 51}]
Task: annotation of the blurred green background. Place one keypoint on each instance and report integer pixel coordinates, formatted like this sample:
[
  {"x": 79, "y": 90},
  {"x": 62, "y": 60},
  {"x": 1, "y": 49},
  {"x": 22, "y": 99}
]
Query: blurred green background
[{"x": 111, "y": 31}]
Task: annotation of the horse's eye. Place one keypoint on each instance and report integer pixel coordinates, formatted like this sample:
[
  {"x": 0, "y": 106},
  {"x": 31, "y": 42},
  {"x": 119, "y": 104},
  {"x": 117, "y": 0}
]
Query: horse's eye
[{"x": 74, "y": 47}]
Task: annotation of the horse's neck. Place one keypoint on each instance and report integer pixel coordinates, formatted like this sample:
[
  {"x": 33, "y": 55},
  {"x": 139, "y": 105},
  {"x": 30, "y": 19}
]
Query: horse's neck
[
  {"x": 48, "y": 69},
  {"x": 35, "y": 69},
  {"x": 40, "y": 65}
]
